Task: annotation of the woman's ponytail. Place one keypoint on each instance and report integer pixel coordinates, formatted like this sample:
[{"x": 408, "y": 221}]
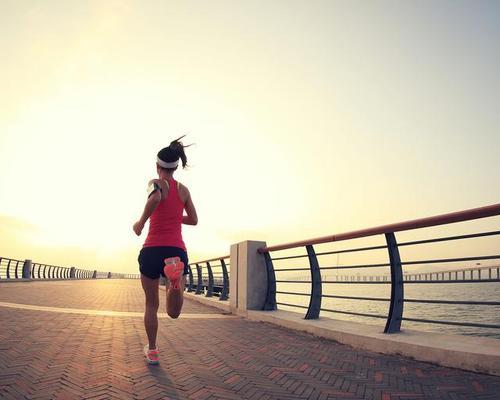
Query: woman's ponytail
[
  {"x": 174, "y": 152},
  {"x": 178, "y": 149}
]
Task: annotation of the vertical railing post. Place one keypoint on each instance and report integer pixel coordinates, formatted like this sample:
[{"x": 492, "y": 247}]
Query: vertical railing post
[
  {"x": 225, "y": 281},
  {"x": 316, "y": 289},
  {"x": 270, "y": 304},
  {"x": 191, "y": 283},
  {"x": 94, "y": 275},
  {"x": 27, "y": 269},
  {"x": 199, "y": 286},
  {"x": 210, "y": 289},
  {"x": 17, "y": 267},
  {"x": 395, "y": 315},
  {"x": 8, "y": 269}
]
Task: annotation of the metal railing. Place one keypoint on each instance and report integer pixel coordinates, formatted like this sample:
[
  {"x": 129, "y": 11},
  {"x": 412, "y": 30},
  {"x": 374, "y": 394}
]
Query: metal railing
[
  {"x": 117, "y": 275},
  {"x": 212, "y": 277},
  {"x": 395, "y": 264},
  {"x": 12, "y": 269},
  {"x": 45, "y": 271}
]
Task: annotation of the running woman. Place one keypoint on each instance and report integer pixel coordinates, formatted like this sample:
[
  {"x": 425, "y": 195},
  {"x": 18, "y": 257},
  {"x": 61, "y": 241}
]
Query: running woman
[{"x": 164, "y": 252}]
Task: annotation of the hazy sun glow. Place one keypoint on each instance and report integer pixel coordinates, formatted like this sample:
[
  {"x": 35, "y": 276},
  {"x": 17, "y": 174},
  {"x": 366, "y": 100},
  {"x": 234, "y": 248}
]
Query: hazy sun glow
[{"x": 308, "y": 118}]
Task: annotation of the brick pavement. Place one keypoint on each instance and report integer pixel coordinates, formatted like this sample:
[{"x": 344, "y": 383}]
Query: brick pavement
[
  {"x": 52, "y": 355},
  {"x": 94, "y": 294}
]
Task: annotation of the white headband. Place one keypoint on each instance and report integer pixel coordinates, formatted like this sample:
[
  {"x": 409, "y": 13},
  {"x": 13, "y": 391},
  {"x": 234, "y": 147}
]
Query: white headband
[{"x": 164, "y": 164}]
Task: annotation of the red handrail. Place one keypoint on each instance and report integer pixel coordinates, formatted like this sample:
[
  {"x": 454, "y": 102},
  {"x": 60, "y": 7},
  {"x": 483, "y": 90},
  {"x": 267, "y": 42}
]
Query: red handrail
[{"x": 459, "y": 216}]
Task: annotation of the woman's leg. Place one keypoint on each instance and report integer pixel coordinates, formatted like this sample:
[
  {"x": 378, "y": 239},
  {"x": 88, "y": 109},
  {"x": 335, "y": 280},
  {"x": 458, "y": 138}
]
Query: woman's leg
[
  {"x": 175, "y": 298},
  {"x": 150, "y": 287}
]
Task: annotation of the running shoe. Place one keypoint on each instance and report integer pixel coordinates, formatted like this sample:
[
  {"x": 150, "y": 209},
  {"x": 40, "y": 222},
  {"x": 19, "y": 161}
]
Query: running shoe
[
  {"x": 173, "y": 270},
  {"x": 152, "y": 356}
]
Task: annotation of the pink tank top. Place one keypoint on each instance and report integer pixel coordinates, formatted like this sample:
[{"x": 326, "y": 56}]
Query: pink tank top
[{"x": 165, "y": 224}]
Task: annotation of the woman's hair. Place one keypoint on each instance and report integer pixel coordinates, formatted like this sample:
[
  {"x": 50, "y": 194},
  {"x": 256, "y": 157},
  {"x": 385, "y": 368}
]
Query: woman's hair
[{"x": 173, "y": 152}]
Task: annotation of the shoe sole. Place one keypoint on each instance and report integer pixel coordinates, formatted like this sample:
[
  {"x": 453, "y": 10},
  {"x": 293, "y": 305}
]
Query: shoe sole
[{"x": 177, "y": 267}]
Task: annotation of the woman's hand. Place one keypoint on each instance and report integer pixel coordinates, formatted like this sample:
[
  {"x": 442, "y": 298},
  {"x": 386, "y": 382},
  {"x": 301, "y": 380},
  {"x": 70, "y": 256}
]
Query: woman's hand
[
  {"x": 138, "y": 227},
  {"x": 152, "y": 202}
]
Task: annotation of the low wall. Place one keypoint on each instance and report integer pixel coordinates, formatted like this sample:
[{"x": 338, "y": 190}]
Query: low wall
[{"x": 209, "y": 301}]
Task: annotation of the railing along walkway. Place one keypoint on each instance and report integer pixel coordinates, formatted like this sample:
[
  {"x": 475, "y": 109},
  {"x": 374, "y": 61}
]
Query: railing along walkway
[
  {"x": 12, "y": 269},
  {"x": 395, "y": 264}
]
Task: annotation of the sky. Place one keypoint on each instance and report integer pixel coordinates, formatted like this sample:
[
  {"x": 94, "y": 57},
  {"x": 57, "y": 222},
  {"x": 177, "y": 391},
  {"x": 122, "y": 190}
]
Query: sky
[{"x": 308, "y": 118}]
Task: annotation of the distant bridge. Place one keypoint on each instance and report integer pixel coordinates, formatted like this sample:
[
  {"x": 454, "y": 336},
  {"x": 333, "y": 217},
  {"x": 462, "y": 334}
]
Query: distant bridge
[{"x": 472, "y": 274}]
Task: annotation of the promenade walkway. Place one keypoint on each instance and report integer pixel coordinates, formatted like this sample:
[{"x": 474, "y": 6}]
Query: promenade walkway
[{"x": 68, "y": 347}]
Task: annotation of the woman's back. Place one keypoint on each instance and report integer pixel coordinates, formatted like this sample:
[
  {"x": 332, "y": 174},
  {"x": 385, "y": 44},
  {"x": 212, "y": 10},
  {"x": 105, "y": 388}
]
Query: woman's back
[{"x": 165, "y": 224}]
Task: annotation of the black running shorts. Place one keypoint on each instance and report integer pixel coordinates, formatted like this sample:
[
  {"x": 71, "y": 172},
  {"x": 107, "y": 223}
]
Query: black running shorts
[{"x": 151, "y": 260}]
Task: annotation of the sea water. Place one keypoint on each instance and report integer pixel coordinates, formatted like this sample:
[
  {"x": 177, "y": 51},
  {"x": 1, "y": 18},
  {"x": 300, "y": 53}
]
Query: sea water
[{"x": 483, "y": 314}]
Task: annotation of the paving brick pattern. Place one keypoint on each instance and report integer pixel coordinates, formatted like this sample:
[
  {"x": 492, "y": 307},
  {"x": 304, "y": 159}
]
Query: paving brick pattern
[
  {"x": 50, "y": 355},
  {"x": 98, "y": 294}
]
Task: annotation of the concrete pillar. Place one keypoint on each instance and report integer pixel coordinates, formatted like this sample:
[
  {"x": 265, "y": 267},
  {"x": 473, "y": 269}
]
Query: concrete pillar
[
  {"x": 72, "y": 273},
  {"x": 27, "y": 269},
  {"x": 248, "y": 277}
]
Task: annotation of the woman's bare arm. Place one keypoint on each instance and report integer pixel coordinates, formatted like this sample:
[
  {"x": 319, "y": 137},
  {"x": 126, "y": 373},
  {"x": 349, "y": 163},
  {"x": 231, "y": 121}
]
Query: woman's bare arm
[
  {"x": 150, "y": 206},
  {"x": 152, "y": 202},
  {"x": 191, "y": 218}
]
